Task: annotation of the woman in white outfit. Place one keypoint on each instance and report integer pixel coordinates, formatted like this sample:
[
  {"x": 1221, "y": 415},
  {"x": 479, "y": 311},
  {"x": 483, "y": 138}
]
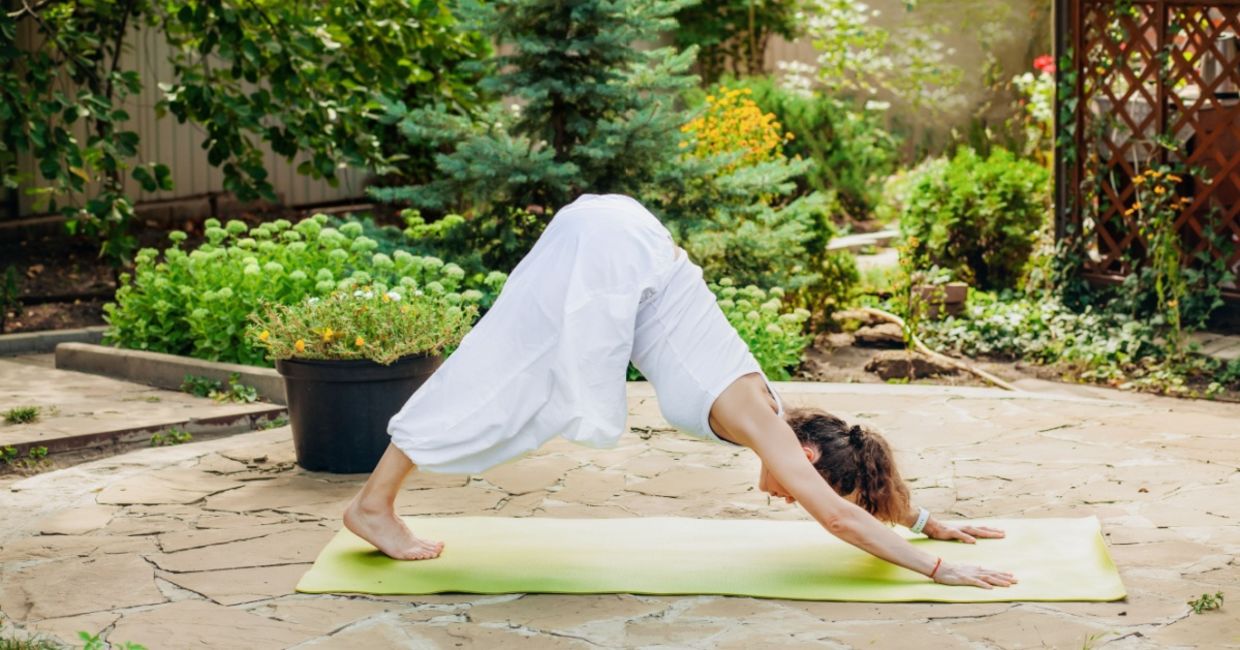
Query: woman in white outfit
[{"x": 605, "y": 285}]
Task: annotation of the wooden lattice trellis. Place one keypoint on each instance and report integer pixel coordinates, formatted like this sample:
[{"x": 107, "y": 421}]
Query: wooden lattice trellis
[{"x": 1157, "y": 82}]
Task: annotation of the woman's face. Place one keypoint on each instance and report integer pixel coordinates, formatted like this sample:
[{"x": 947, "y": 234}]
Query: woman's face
[{"x": 767, "y": 482}]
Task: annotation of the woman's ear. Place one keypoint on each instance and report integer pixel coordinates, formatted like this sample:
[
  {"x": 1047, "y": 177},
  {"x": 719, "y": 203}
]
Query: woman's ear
[{"x": 811, "y": 453}]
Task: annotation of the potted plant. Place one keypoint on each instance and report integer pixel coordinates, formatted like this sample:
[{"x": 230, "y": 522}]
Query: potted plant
[{"x": 350, "y": 360}]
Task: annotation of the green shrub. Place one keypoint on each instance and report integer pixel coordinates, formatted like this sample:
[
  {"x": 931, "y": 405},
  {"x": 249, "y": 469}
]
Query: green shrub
[
  {"x": 197, "y": 302},
  {"x": 1103, "y": 346},
  {"x": 898, "y": 189},
  {"x": 477, "y": 247},
  {"x": 773, "y": 333},
  {"x": 979, "y": 217}
]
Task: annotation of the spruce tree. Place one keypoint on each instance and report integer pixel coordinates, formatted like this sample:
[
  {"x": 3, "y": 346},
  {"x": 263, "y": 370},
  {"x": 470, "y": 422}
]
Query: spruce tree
[{"x": 591, "y": 112}]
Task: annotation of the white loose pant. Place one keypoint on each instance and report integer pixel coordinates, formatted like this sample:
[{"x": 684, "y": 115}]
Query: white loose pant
[{"x": 549, "y": 358}]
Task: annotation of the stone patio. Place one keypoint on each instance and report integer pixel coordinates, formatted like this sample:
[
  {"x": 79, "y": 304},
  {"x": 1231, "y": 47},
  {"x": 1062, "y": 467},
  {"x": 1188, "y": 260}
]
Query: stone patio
[{"x": 200, "y": 545}]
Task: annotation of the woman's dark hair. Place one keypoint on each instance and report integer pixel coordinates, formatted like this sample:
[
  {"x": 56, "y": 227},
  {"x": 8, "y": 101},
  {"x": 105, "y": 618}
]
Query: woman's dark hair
[{"x": 853, "y": 458}]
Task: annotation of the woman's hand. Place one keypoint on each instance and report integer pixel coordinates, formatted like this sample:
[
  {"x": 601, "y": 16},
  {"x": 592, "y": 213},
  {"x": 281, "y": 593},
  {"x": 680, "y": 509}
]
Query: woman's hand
[
  {"x": 966, "y": 534},
  {"x": 964, "y": 574}
]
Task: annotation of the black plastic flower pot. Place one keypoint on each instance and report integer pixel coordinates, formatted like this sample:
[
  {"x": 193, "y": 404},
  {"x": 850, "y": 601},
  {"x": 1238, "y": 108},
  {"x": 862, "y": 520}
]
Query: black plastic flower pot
[{"x": 339, "y": 408}]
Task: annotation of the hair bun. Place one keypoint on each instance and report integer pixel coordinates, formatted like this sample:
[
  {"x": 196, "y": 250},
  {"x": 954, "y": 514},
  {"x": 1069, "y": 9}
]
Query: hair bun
[{"x": 856, "y": 436}]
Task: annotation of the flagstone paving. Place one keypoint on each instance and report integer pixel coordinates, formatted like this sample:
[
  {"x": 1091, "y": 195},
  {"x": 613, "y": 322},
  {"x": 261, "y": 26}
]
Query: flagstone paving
[
  {"x": 200, "y": 545},
  {"x": 80, "y": 411}
]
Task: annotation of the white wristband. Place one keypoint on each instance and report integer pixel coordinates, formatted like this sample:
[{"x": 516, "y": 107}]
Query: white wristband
[{"x": 923, "y": 516}]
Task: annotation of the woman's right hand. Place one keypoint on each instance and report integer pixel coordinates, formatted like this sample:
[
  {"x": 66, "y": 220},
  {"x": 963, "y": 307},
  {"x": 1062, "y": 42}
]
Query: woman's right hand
[{"x": 965, "y": 574}]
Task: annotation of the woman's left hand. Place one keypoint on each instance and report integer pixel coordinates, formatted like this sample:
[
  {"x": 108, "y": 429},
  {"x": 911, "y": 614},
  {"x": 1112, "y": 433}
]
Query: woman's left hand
[{"x": 963, "y": 533}]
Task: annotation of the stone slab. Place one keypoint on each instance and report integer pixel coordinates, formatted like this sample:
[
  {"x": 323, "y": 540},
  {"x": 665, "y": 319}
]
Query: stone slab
[
  {"x": 105, "y": 411},
  {"x": 78, "y": 586},
  {"x": 164, "y": 370}
]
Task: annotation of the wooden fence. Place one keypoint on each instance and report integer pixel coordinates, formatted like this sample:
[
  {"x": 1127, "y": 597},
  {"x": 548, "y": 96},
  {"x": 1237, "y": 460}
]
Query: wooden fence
[
  {"x": 1152, "y": 82},
  {"x": 178, "y": 145}
]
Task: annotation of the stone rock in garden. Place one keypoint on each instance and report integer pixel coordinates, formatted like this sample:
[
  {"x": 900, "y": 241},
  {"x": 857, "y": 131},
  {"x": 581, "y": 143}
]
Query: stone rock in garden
[
  {"x": 882, "y": 335},
  {"x": 855, "y": 317},
  {"x": 834, "y": 340},
  {"x": 903, "y": 364}
]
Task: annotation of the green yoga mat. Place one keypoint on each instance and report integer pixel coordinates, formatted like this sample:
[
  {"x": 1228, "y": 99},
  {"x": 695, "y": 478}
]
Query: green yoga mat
[{"x": 1054, "y": 559}]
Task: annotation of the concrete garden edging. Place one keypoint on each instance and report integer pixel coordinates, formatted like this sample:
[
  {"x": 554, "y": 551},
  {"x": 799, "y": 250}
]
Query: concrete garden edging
[
  {"x": 46, "y": 341},
  {"x": 164, "y": 370}
]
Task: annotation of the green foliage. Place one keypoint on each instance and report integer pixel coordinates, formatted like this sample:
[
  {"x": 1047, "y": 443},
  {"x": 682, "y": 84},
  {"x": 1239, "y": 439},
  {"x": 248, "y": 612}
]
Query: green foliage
[
  {"x": 207, "y": 387},
  {"x": 497, "y": 239},
  {"x": 898, "y": 189},
  {"x": 198, "y": 302},
  {"x": 199, "y": 386},
  {"x": 382, "y": 326},
  {"x": 35, "y": 458},
  {"x": 21, "y": 414},
  {"x": 857, "y": 54},
  {"x": 81, "y": 42},
  {"x": 1207, "y": 602},
  {"x": 851, "y": 149},
  {"x": 13, "y": 639},
  {"x": 595, "y": 114},
  {"x": 734, "y": 33},
  {"x": 276, "y": 422},
  {"x": 170, "y": 437},
  {"x": 1095, "y": 345},
  {"x": 977, "y": 216},
  {"x": 9, "y": 293},
  {"x": 320, "y": 65},
  {"x": 299, "y": 76},
  {"x": 93, "y": 642},
  {"x": 773, "y": 333}
]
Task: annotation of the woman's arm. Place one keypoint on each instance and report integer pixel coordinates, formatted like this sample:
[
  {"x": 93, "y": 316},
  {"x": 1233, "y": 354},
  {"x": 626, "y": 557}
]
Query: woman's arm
[
  {"x": 746, "y": 419},
  {"x": 784, "y": 458},
  {"x": 935, "y": 529}
]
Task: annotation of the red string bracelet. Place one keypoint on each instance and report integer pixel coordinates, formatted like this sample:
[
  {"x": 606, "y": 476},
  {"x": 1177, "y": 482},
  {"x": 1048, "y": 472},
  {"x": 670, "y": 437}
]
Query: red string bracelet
[{"x": 936, "y": 568}]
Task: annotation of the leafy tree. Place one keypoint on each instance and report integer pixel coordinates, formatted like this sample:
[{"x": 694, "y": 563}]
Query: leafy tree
[
  {"x": 732, "y": 35},
  {"x": 302, "y": 77}
]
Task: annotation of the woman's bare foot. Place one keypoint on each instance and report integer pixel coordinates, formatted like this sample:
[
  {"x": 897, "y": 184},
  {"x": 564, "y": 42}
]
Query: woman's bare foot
[{"x": 388, "y": 533}]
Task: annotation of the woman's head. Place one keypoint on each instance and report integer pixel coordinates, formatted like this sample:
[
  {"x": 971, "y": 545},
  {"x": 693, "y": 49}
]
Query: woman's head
[{"x": 856, "y": 462}]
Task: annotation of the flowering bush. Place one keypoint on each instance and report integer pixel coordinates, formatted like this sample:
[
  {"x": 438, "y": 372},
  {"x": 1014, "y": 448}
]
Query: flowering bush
[
  {"x": 197, "y": 302},
  {"x": 774, "y": 335},
  {"x": 366, "y": 323},
  {"x": 851, "y": 149},
  {"x": 732, "y": 122},
  {"x": 1037, "y": 93}
]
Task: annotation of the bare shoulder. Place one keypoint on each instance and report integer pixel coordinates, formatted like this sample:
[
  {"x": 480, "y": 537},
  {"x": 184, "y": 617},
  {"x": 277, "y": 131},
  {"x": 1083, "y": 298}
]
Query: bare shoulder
[{"x": 743, "y": 409}]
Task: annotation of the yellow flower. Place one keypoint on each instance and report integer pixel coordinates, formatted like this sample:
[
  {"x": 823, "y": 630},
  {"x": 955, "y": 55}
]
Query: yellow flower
[
  {"x": 264, "y": 335},
  {"x": 300, "y": 345},
  {"x": 1136, "y": 206},
  {"x": 1158, "y": 189},
  {"x": 327, "y": 334},
  {"x": 1140, "y": 180},
  {"x": 359, "y": 342},
  {"x": 386, "y": 299},
  {"x": 1173, "y": 178}
]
